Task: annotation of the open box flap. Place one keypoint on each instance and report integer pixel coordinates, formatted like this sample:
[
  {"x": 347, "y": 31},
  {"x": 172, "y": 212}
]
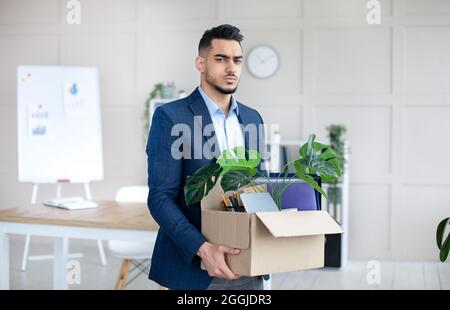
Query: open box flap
[{"x": 299, "y": 223}]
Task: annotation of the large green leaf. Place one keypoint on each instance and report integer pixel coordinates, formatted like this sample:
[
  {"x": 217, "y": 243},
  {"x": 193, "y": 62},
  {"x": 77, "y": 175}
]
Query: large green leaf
[
  {"x": 445, "y": 249},
  {"x": 234, "y": 179},
  {"x": 201, "y": 182},
  {"x": 328, "y": 170},
  {"x": 312, "y": 148},
  {"x": 204, "y": 179},
  {"x": 440, "y": 232},
  {"x": 300, "y": 169},
  {"x": 236, "y": 160},
  {"x": 319, "y": 159}
]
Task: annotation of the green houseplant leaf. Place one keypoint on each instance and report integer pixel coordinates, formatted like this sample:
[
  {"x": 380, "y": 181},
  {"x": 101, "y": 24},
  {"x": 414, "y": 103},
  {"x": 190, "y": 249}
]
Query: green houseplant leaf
[
  {"x": 237, "y": 171},
  {"x": 440, "y": 231},
  {"x": 444, "y": 247},
  {"x": 234, "y": 179},
  {"x": 236, "y": 160},
  {"x": 233, "y": 166},
  {"x": 201, "y": 182},
  {"x": 317, "y": 159},
  {"x": 300, "y": 171}
]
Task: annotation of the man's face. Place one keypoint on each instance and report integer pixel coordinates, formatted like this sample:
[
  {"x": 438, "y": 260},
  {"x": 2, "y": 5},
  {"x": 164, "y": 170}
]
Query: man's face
[{"x": 222, "y": 65}]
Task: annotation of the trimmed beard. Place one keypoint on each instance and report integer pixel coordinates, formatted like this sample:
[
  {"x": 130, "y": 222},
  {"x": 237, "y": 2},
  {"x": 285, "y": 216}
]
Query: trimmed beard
[
  {"x": 211, "y": 81},
  {"x": 224, "y": 90}
]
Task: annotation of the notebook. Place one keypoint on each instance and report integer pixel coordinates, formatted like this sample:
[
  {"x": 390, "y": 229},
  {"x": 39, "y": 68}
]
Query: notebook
[
  {"x": 258, "y": 202},
  {"x": 71, "y": 203}
]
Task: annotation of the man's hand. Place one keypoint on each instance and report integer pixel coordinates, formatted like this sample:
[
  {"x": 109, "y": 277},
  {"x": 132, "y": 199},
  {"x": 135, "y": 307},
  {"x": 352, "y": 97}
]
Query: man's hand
[{"x": 213, "y": 257}]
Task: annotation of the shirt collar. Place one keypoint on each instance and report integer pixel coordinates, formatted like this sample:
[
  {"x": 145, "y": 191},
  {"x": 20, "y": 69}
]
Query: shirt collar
[{"x": 213, "y": 108}]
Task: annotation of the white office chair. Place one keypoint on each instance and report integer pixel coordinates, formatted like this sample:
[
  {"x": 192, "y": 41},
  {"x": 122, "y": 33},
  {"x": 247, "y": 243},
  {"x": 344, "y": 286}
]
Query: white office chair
[{"x": 133, "y": 253}]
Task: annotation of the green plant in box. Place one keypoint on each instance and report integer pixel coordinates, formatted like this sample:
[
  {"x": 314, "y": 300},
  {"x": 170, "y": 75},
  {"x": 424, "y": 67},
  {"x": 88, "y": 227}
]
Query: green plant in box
[
  {"x": 317, "y": 159},
  {"x": 237, "y": 171}
]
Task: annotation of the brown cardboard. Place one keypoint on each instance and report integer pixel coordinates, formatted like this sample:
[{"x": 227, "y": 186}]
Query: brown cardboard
[
  {"x": 300, "y": 223},
  {"x": 270, "y": 242},
  {"x": 227, "y": 228}
]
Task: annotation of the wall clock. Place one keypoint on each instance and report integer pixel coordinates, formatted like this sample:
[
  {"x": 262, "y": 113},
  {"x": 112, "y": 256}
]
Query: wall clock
[{"x": 263, "y": 61}]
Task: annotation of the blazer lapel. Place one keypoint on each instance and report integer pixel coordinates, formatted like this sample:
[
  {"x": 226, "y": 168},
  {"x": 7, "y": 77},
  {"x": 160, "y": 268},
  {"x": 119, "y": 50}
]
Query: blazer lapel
[
  {"x": 244, "y": 121},
  {"x": 202, "y": 118}
]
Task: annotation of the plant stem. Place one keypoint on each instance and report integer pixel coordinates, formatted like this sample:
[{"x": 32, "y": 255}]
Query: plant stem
[{"x": 278, "y": 189}]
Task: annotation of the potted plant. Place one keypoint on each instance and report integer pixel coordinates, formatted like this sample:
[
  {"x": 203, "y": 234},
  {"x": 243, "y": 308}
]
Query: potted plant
[
  {"x": 235, "y": 171},
  {"x": 160, "y": 90},
  {"x": 233, "y": 168},
  {"x": 334, "y": 188},
  {"x": 443, "y": 245}
]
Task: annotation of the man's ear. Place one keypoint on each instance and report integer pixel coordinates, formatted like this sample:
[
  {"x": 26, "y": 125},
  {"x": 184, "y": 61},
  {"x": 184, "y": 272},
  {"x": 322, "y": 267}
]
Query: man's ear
[{"x": 200, "y": 64}]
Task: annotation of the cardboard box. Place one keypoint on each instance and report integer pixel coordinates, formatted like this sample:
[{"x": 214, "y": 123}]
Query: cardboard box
[{"x": 270, "y": 242}]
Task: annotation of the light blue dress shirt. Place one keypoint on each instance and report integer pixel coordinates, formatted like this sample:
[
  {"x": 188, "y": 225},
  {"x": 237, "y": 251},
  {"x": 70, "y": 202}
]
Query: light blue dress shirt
[{"x": 228, "y": 129}]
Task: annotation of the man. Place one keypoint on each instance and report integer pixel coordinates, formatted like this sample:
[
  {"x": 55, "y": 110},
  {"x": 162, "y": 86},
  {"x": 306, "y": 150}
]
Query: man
[{"x": 180, "y": 246}]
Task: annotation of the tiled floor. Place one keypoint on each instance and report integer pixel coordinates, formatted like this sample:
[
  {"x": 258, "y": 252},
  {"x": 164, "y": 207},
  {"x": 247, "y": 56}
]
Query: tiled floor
[{"x": 393, "y": 275}]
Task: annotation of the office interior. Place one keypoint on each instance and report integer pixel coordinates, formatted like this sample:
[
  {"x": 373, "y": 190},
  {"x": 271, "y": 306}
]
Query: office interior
[{"x": 378, "y": 69}]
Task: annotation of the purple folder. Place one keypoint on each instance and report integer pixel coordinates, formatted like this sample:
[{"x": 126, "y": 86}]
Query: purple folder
[{"x": 298, "y": 195}]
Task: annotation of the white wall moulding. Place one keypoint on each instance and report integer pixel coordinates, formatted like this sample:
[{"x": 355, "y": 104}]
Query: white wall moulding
[
  {"x": 20, "y": 49},
  {"x": 24, "y": 12},
  {"x": 260, "y": 9},
  {"x": 430, "y": 7},
  {"x": 105, "y": 11},
  {"x": 289, "y": 46},
  {"x": 347, "y": 8},
  {"x": 427, "y": 60},
  {"x": 8, "y": 141},
  {"x": 369, "y": 130},
  {"x": 281, "y": 115},
  {"x": 424, "y": 207},
  {"x": 180, "y": 68},
  {"x": 176, "y": 10},
  {"x": 352, "y": 60},
  {"x": 424, "y": 132},
  {"x": 370, "y": 219},
  {"x": 113, "y": 54}
]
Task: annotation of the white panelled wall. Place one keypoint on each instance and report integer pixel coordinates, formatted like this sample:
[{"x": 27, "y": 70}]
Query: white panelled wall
[{"x": 389, "y": 84}]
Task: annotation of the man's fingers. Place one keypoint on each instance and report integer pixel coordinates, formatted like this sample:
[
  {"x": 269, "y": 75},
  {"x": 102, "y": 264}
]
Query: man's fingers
[
  {"x": 230, "y": 275},
  {"x": 229, "y": 250}
]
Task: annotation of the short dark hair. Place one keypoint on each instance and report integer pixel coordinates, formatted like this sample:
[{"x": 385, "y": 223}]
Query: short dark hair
[{"x": 226, "y": 32}]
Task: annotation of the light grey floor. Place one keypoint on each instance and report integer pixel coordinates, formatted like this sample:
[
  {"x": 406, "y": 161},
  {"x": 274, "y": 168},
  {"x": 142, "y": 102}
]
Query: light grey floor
[{"x": 393, "y": 275}]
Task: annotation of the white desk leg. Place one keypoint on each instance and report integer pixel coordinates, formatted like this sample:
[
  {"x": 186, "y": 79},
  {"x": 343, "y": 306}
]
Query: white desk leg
[
  {"x": 61, "y": 252},
  {"x": 4, "y": 259},
  {"x": 102, "y": 252},
  {"x": 26, "y": 249}
]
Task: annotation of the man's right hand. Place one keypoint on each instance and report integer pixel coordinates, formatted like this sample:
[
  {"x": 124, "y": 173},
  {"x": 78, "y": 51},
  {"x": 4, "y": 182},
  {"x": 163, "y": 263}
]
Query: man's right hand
[{"x": 213, "y": 257}]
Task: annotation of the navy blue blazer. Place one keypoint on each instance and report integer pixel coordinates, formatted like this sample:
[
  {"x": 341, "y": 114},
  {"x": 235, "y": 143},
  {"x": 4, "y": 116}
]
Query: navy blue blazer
[{"x": 174, "y": 262}]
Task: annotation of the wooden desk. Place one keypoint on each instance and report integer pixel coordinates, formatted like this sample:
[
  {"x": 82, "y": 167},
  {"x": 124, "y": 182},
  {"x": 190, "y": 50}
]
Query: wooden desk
[{"x": 110, "y": 221}]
